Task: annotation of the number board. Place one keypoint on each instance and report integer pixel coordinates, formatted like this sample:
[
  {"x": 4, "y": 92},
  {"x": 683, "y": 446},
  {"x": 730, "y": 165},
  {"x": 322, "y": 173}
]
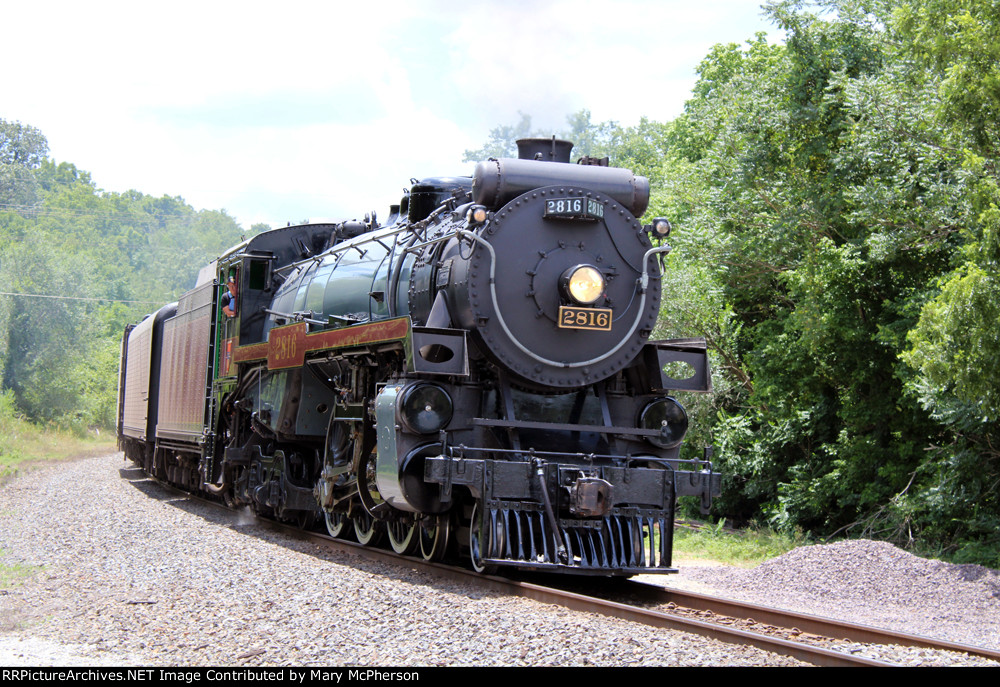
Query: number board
[
  {"x": 587, "y": 209},
  {"x": 598, "y": 319}
]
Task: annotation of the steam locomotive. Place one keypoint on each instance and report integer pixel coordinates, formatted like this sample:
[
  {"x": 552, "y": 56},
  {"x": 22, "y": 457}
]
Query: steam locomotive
[{"x": 474, "y": 377}]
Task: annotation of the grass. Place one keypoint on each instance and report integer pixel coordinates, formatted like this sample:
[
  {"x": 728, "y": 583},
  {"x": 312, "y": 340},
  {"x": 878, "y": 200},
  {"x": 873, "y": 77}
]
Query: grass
[
  {"x": 24, "y": 445},
  {"x": 743, "y": 548},
  {"x": 12, "y": 574}
]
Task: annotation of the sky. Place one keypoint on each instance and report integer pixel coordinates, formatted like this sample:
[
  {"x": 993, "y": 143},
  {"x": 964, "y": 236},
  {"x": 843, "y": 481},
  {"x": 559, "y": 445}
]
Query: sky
[{"x": 279, "y": 112}]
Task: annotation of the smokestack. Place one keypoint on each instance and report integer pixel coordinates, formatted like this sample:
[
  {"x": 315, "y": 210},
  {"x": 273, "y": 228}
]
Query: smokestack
[{"x": 547, "y": 149}]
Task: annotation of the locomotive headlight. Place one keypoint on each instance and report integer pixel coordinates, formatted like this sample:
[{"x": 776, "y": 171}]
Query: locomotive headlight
[
  {"x": 668, "y": 417},
  {"x": 425, "y": 408},
  {"x": 583, "y": 284}
]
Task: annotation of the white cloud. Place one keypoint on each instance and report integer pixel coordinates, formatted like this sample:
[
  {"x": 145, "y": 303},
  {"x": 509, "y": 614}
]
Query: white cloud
[
  {"x": 277, "y": 113},
  {"x": 622, "y": 60}
]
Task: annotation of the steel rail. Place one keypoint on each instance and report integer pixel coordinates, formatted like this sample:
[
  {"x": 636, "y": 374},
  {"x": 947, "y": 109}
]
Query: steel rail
[{"x": 814, "y": 624}]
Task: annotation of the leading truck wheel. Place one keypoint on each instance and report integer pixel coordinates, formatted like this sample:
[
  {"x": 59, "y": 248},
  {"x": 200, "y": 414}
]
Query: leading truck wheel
[{"x": 480, "y": 539}]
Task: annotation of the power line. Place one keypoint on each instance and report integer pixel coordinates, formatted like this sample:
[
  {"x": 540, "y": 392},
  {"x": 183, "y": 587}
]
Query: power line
[
  {"x": 138, "y": 216},
  {"x": 73, "y": 298}
]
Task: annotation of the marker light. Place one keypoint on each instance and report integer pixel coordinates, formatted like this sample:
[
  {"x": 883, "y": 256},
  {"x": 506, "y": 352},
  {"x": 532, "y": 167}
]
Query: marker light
[
  {"x": 477, "y": 214},
  {"x": 661, "y": 227}
]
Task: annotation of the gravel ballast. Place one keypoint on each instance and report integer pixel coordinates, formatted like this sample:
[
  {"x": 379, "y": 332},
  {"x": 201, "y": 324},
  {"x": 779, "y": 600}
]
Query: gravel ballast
[
  {"x": 134, "y": 575},
  {"x": 872, "y": 583}
]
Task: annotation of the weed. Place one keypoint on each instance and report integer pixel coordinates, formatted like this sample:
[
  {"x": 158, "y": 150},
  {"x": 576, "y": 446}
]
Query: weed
[
  {"x": 23, "y": 444},
  {"x": 743, "y": 548},
  {"x": 12, "y": 574}
]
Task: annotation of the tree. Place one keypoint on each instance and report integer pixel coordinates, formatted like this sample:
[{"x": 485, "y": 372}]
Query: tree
[
  {"x": 956, "y": 345},
  {"x": 837, "y": 241},
  {"x": 502, "y": 141},
  {"x": 588, "y": 138},
  {"x": 23, "y": 149},
  {"x": 804, "y": 176},
  {"x": 21, "y": 144},
  {"x": 68, "y": 258}
]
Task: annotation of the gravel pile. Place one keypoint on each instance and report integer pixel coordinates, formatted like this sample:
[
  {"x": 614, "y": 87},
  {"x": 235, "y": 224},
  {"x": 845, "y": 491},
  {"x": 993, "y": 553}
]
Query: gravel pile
[
  {"x": 133, "y": 575},
  {"x": 873, "y": 583}
]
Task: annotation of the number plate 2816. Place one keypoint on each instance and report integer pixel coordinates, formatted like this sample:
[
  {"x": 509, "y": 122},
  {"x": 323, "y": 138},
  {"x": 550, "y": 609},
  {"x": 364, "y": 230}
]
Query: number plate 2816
[
  {"x": 574, "y": 208},
  {"x": 598, "y": 319}
]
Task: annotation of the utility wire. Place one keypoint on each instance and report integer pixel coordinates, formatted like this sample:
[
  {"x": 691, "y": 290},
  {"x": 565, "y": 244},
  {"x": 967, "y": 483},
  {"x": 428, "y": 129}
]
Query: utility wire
[
  {"x": 72, "y": 298},
  {"x": 137, "y": 216}
]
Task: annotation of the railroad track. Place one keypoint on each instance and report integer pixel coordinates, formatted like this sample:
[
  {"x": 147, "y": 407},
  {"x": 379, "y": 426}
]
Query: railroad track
[
  {"x": 812, "y": 639},
  {"x": 804, "y": 637},
  {"x": 802, "y": 627}
]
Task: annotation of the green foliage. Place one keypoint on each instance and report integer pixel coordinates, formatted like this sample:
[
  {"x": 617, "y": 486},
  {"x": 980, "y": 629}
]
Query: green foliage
[
  {"x": 13, "y": 574},
  {"x": 960, "y": 40},
  {"x": 22, "y": 150},
  {"x": 78, "y": 258},
  {"x": 502, "y": 142},
  {"x": 588, "y": 138},
  {"x": 956, "y": 344},
  {"x": 10, "y": 453},
  {"x": 837, "y": 243},
  {"x": 24, "y": 444},
  {"x": 744, "y": 548},
  {"x": 22, "y": 145},
  {"x": 842, "y": 204}
]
